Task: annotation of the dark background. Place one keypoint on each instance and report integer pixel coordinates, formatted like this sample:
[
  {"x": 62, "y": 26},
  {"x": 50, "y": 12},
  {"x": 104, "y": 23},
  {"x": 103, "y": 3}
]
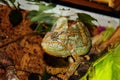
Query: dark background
[{"x": 88, "y": 6}]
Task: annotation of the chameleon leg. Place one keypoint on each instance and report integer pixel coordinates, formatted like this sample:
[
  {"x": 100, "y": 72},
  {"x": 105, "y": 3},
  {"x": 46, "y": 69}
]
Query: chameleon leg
[{"x": 74, "y": 64}]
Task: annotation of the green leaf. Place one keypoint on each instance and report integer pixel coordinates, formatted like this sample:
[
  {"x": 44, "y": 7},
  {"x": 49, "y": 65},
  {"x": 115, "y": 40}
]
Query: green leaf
[
  {"x": 12, "y": 1},
  {"x": 41, "y": 28},
  {"x": 116, "y": 55},
  {"x": 103, "y": 69},
  {"x": 84, "y": 16},
  {"x": 116, "y": 72},
  {"x": 107, "y": 33},
  {"x": 40, "y": 15},
  {"x": 42, "y": 18},
  {"x": 109, "y": 67},
  {"x": 48, "y": 20},
  {"x": 86, "y": 19},
  {"x": 32, "y": 14},
  {"x": 116, "y": 65},
  {"x": 43, "y": 7},
  {"x": 45, "y": 18}
]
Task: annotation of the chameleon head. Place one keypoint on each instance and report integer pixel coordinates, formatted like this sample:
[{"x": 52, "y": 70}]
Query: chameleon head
[{"x": 67, "y": 38}]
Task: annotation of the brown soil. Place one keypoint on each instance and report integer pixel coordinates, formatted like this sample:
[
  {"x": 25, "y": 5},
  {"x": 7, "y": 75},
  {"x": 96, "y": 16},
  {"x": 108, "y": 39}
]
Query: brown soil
[{"x": 21, "y": 45}]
